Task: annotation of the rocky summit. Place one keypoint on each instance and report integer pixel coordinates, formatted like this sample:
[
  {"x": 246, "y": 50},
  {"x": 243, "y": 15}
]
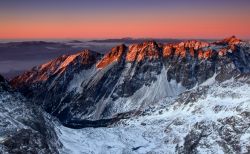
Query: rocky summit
[{"x": 187, "y": 97}]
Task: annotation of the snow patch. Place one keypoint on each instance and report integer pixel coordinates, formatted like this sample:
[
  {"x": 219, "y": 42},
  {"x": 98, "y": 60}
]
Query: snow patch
[
  {"x": 83, "y": 77},
  {"x": 209, "y": 81}
]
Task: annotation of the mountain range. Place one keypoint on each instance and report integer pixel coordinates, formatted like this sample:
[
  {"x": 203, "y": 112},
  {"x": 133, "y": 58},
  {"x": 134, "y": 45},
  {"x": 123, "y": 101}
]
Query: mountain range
[{"x": 150, "y": 97}]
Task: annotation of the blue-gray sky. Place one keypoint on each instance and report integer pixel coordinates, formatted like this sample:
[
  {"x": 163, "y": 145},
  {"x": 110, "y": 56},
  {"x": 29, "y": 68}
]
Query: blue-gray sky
[{"x": 120, "y": 18}]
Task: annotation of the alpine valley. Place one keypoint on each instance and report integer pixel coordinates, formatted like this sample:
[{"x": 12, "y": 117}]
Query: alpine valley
[{"x": 186, "y": 97}]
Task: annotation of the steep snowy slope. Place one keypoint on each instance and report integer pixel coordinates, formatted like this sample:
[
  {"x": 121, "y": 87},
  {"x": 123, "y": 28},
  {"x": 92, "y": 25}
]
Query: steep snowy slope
[
  {"x": 211, "y": 119},
  {"x": 129, "y": 79},
  {"x": 23, "y": 127}
]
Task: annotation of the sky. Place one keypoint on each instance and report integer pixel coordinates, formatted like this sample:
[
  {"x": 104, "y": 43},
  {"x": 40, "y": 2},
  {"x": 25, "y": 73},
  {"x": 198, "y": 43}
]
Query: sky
[{"x": 68, "y": 19}]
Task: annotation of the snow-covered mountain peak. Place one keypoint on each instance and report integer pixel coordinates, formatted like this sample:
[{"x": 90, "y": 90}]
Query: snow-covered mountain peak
[
  {"x": 85, "y": 58},
  {"x": 193, "y": 44},
  {"x": 135, "y": 52},
  {"x": 143, "y": 51},
  {"x": 115, "y": 54},
  {"x": 233, "y": 40}
]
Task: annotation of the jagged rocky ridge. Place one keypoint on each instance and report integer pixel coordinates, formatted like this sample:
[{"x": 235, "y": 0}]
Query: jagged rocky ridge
[
  {"x": 24, "y": 128},
  {"x": 89, "y": 86}
]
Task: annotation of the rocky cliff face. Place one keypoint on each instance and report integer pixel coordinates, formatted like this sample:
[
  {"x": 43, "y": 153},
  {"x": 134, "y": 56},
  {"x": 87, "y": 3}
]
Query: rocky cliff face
[
  {"x": 24, "y": 128},
  {"x": 129, "y": 78}
]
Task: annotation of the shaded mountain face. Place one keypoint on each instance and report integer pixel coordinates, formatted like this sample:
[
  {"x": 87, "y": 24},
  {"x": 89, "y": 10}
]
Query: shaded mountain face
[
  {"x": 24, "y": 128},
  {"x": 4, "y": 86},
  {"x": 131, "y": 78}
]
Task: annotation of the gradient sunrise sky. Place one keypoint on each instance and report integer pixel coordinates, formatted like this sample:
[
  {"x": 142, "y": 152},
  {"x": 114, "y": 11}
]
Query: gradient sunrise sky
[{"x": 33, "y": 19}]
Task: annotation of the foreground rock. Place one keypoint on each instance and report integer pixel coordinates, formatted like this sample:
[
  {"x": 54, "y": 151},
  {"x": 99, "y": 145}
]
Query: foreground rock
[{"x": 24, "y": 128}]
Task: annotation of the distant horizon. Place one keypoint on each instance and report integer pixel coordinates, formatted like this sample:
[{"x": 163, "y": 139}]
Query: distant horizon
[{"x": 90, "y": 39}]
